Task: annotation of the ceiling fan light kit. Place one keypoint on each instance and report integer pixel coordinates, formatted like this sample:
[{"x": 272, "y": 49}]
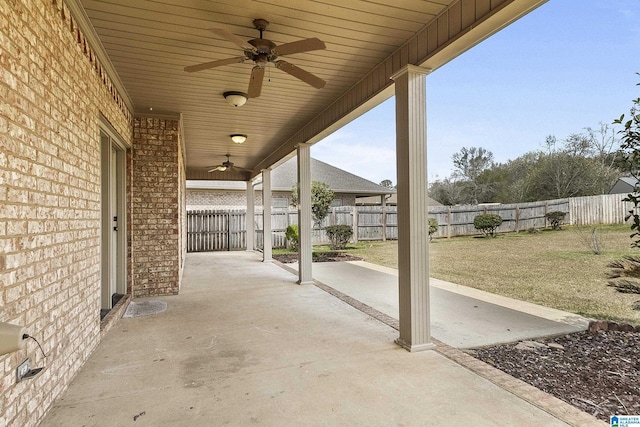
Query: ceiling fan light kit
[
  {"x": 238, "y": 138},
  {"x": 227, "y": 166},
  {"x": 237, "y": 99},
  {"x": 262, "y": 52}
]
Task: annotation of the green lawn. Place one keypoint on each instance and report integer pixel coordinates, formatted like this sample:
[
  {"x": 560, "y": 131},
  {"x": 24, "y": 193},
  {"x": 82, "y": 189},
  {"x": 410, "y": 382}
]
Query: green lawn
[{"x": 552, "y": 268}]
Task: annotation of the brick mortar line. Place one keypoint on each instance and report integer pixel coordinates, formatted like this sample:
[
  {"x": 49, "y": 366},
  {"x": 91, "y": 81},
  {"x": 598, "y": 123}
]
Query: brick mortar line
[{"x": 534, "y": 396}]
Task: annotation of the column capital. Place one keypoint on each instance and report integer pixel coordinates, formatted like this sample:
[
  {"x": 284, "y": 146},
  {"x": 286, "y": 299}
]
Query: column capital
[
  {"x": 303, "y": 144},
  {"x": 413, "y": 69}
]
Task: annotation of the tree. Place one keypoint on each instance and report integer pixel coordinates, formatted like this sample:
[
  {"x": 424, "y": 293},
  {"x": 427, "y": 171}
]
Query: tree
[
  {"x": 321, "y": 198},
  {"x": 631, "y": 157},
  {"x": 470, "y": 163},
  {"x": 565, "y": 169},
  {"x": 625, "y": 274},
  {"x": 513, "y": 180},
  {"x": 447, "y": 191},
  {"x": 606, "y": 152},
  {"x": 387, "y": 183}
]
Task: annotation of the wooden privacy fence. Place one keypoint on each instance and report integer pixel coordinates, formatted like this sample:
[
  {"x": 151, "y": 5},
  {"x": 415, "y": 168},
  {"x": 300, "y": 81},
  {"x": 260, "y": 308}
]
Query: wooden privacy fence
[
  {"x": 216, "y": 230},
  {"x": 588, "y": 210},
  {"x": 226, "y": 230},
  {"x": 368, "y": 222}
]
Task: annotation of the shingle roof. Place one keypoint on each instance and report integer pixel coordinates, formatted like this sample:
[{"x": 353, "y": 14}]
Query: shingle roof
[
  {"x": 629, "y": 180},
  {"x": 284, "y": 177}
]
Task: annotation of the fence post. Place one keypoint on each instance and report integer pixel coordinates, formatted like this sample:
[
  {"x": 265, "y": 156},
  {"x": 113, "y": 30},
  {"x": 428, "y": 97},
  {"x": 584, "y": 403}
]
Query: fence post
[
  {"x": 448, "y": 222},
  {"x": 546, "y": 211},
  {"x": 354, "y": 210},
  {"x": 228, "y": 231},
  {"x": 384, "y": 223},
  {"x": 517, "y": 218}
]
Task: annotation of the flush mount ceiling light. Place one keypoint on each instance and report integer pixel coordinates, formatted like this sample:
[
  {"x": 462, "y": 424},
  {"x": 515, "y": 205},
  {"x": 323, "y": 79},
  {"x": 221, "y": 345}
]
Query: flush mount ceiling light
[
  {"x": 237, "y": 99},
  {"x": 238, "y": 138}
]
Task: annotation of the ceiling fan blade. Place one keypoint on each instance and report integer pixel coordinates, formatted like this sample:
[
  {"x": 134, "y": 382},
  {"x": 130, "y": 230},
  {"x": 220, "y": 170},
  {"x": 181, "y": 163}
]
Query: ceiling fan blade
[
  {"x": 213, "y": 64},
  {"x": 301, "y": 74},
  {"x": 220, "y": 168},
  {"x": 255, "y": 82},
  {"x": 300, "y": 46},
  {"x": 233, "y": 38}
]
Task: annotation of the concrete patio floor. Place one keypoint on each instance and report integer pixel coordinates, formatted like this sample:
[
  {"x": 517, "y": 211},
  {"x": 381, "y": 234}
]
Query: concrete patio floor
[
  {"x": 243, "y": 344},
  {"x": 462, "y": 317}
]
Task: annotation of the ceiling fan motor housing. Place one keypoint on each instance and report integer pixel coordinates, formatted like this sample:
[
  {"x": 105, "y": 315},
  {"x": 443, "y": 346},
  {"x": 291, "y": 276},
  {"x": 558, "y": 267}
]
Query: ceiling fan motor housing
[{"x": 262, "y": 51}]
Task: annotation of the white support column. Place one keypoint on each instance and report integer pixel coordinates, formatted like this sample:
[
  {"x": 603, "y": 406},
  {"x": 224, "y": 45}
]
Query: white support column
[
  {"x": 250, "y": 218},
  {"x": 413, "y": 233},
  {"x": 266, "y": 215},
  {"x": 304, "y": 214}
]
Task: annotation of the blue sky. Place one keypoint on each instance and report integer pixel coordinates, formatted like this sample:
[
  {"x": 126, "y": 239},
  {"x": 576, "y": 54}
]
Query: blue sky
[{"x": 568, "y": 65}]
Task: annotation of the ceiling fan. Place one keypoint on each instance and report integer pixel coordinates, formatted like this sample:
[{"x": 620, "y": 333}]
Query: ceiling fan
[
  {"x": 227, "y": 165},
  {"x": 262, "y": 52}
]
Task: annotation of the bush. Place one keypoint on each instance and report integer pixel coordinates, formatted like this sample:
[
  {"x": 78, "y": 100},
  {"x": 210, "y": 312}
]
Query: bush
[
  {"x": 433, "y": 227},
  {"x": 487, "y": 223},
  {"x": 292, "y": 237},
  {"x": 339, "y": 235},
  {"x": 625, "y": 276},
  {"x": 594, "y": 239},
  {"x": 555, "y": 218}
]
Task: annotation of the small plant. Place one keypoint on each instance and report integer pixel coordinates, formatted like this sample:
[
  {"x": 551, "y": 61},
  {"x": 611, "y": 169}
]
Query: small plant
[
  {"x": 594, "y": 239},
  {"x": 625, "y": 276},
  {"x": 555, "y": 218},
  {"x": 487, "y": 223},
  {"x": 292, "y": 237},
  {"x": 433, "y": 227},
  {"x": 339, "y": 235}
]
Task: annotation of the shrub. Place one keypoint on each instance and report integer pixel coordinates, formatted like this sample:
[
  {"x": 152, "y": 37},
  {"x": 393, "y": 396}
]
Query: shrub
[
  {"x": 292, "y": 237},
  {"x": 625, "y": 276},
  {"x": 594, "y": 239},
  {"x": 555, "y": 218},
  {"x": 433, "y": 227},
  {"x": 487, "y": 223},
  {"x": 339, "y": 235}
]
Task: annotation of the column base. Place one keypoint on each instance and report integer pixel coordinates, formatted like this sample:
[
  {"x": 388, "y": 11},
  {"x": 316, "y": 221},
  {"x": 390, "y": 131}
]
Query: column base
[
  {"x": 414, "y": 348},
  {"x": 305, "y": 282}
]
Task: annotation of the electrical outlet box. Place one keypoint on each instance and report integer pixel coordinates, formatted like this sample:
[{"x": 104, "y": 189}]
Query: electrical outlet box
[{"x": 23, "y": 369}]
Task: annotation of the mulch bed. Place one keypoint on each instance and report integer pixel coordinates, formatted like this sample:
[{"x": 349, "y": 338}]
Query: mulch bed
[
  {"x": 318, "y": 257},
  {"x": 598, "y": 373}
]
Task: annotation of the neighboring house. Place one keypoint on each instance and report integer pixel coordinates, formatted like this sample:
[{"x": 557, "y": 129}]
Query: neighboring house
[
  {"x": 390, "y": 200},
  {"x": 624, "y": 185},
  {"x": 348, "y": 188}
]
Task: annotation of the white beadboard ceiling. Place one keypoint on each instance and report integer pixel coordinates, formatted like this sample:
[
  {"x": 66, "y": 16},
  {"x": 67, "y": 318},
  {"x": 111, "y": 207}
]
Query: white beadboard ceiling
[{"x": 149, "y": 42}]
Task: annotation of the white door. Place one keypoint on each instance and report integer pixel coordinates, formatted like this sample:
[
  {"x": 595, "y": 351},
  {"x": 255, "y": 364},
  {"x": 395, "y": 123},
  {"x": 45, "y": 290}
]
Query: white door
[{"x": 113, "y": 214}]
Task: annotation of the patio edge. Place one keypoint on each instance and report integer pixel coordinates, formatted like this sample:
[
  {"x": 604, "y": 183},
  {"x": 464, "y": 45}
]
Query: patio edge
[{"x": 534, "y": 396}]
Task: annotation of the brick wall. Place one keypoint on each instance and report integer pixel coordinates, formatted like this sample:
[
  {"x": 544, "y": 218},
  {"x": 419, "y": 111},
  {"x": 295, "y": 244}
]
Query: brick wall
[
  {"x": 52, "y": 92},
  {"x": 156, "y": 219}
]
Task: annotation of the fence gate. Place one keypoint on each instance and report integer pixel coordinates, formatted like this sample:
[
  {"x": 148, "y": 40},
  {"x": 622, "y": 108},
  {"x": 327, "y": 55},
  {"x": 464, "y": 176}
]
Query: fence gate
[{"x": 216, "y": 231}]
